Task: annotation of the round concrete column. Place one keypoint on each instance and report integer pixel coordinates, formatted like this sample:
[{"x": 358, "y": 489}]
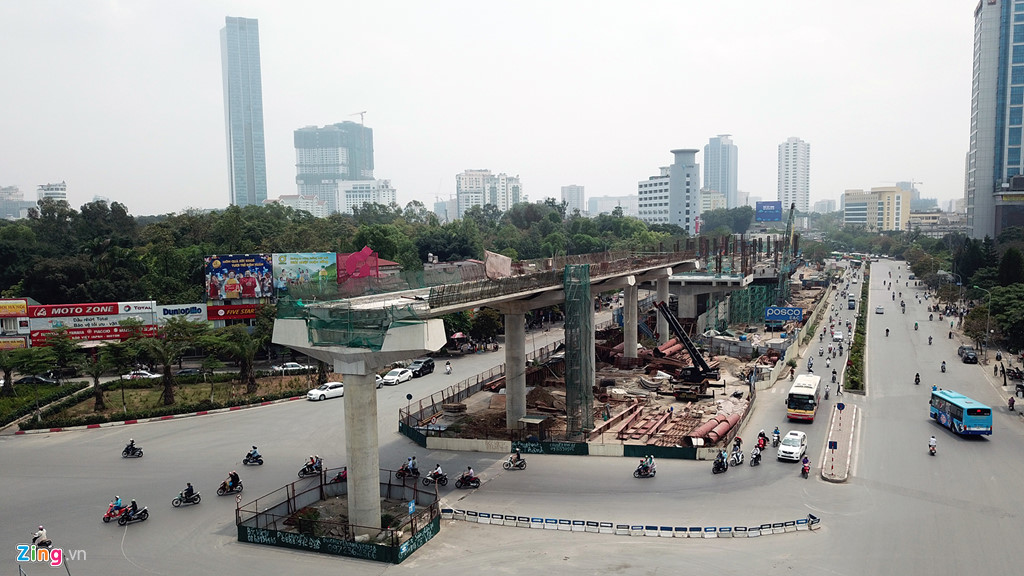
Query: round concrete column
[
  {"x": 661, "y": 284},
  {"x": 629, "y": 339},
  {"x": 515, "y": 369},
  {"x": 363, "y": 458}
]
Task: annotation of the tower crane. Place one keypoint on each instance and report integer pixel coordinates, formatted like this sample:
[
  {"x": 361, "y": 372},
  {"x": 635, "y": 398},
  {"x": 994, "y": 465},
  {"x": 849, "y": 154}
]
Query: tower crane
[
  {"x": 361, "y": 115},
  {"x": 787, "y": 259}
]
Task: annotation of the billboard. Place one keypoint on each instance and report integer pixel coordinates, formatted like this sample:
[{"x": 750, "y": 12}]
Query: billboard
[
  {"x": 190, "y": 312},
  {"x": 768, "y": 211},
  {"x": 784, "y": 314},
  {"x": 302, "y": 269},
  {"x": 234, "y": 276},
  {"x": 12, "y": 342},
  {"x": 14, "y": 308},
  {"x": 232, "y": 312},
  {"x": 90, "y": 321}
]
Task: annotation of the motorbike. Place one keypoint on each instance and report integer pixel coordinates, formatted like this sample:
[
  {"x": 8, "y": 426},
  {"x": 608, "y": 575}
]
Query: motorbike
[
  {"x": 943, "y": 368},
  {"x": 929, "y": 340},
  {"x": 931, "y": 449},
  {"x": 42, "y": 543},
  {"x": 309, "y": 470},
  {"x": 139, "y": 516},
  {"x": 132, "y": 452},
  {"x": 111, "y": 514},
  {"x": 448, "y": 369},
  {"x": 1014, "y": 374},
  {"x": 223, "y": 489},
  {"x": 181, "y": 499},
  {"x": 405, "y": 472},
  {"x": 431, "y": 479},
  {"x": 736, "y": 458},
  {"x": 464, "y": 482},
  {"x": 719, "y": 466},
  {"x": 755, "y": 458},
  {"x": 339, "y": 477},
  {"x": 931, "y": 317},
  {"x": 917, "y": 379},
  {"x": 775, "y": 440},
  {"x": 805, "y": 470},
  {"x": 642, "y": 471},
  {"x": 253, "y": 460},
  {"x": 511, "y": 463}
]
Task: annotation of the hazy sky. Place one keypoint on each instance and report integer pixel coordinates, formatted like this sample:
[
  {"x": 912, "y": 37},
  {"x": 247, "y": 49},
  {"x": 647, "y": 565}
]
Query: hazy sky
[{"x": 124, "y": 99}]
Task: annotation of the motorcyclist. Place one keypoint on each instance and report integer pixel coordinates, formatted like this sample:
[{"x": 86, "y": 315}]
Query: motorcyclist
[
  {"x": 311, "y": 463},
  {"x": 723, "y": 459},
  {"x": 448, "y": 367},
  {"x": 469, "y": 474},
  {"x": 437, "y": 473},
  {"x": 117, "y": 504},
  {"x": 917, "y": 378},
  {"x": 254, "y": 453},
  {"x": 39, "y": 538},
  {"x": 318, "y": 463},
  {"x": 932, "y": 443},
  {"x": 650, "y": 462},
  {"x": 943, "y": 365},
  {"x": 1010, "y": 402},
  {"x": 821, "y": 351},
  {"x": 755, "y": 454},
  {"x": 886, "y": 332},
  {"x": 133, "y": 509},
  {"x": 130, "y": 448},
  {"x": 517, "y": 456},
  {"x": 929, "y": 340},
  {"x": 775, "y": 436},
  {"x": 413, "y": 466},
  {"x": 828, "y": 362},
  {"x": 835, "y": 375},
  {"x": 188, "y": 491},
  {"x": 232, "y": 480}
]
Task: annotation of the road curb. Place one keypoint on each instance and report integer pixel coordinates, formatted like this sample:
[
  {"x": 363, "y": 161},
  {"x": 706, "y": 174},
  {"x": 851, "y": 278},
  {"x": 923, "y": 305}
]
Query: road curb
[
  {"x": 156, "y": 418},
  {"x": 844, "y": 475}
]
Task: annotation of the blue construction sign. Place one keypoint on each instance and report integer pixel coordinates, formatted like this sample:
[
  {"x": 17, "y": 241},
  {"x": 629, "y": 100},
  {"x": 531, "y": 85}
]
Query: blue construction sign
[
  {"x": 784, "y": 313},
  {"x": 833, "y": 445}
]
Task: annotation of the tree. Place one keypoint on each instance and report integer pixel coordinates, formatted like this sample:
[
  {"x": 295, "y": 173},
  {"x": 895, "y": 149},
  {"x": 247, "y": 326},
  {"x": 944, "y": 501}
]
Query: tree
[
  {"x": 1008, "y": 314},
  {"x": 486, "y": 324},
  {"x": 8, "y": 363},
  {"x": 1011, "y": 268},
  {"x": 67, "y": 352},
  {"x": 95, "y": 367},
  {"x": 122, "y": 356},
  {"x": 242, "y": 347},
  {"x": 172, "y": 339}
]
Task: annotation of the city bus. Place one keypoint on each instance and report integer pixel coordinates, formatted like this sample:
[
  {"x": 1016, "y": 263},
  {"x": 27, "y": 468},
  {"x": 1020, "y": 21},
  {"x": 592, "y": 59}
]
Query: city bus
[
  {"x": 959, "y": 413},
  {"x": 804, "y": 396}
]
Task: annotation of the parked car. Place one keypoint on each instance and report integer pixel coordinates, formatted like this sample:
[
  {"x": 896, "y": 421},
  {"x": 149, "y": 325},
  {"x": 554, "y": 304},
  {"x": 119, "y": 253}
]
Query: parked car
[
  {"x": 62, "y": 373},
  {"x": 965, "y": 349},
  {"x": 397, "y": 376},
  {"x": 793, "y": 446},
  {"x": 291, "y": 368},
  {"x": 421, "y": 367},
  {"x": 969, "y": 357},
  {"x": 326, "y": 390},
  {"x": 140, "y": 375},
  {"x": 380, "y": 380},
  {"x": 192, "y": 372},
  {"x": 35, "y": 379}
]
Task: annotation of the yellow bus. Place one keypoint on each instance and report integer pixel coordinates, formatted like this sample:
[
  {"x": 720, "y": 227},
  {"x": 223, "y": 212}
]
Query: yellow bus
[{"x": 803, "y": 399}]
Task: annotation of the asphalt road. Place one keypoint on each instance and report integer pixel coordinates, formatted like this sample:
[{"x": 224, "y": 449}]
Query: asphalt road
[{"x": 902, "y": 511}]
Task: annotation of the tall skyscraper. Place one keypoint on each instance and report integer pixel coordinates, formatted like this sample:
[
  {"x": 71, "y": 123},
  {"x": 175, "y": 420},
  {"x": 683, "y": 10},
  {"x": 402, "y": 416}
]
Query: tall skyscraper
[
  {"x": 995, "y": 189},
  {"x": 673, "y": 196},
  {"x": 795, "y": 174},
  {"x": 325, "y": 157},
  {"x": 243, "y": 111},
  {"x": 480, "y": 187},
  {"x": 572, "y": 195},
  {"x": 720, "y": 156}
]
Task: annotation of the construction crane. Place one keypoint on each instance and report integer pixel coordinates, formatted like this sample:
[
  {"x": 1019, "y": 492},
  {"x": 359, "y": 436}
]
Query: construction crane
[
  {"x": 363, "y": 154},
  {"x": 362, "y": 116},
  {"x": 787, "y": 259}
]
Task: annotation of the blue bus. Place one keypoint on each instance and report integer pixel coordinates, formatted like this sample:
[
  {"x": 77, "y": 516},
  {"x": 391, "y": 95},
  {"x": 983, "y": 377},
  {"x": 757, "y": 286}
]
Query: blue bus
[{"x": 960, "y": 414}]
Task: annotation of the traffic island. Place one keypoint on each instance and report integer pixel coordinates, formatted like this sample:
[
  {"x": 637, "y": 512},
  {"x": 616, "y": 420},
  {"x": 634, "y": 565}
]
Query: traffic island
[{"x": 312, "y": 515}]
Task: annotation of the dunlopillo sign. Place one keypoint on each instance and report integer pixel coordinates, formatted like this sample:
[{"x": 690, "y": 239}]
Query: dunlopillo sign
[{"x": 784, "y": 314}]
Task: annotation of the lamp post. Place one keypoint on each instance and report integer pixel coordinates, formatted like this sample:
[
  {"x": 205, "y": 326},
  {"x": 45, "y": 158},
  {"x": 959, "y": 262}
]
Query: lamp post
[
  {"x": 960, "y": 287},
  {"x": 988, "y": 317}
]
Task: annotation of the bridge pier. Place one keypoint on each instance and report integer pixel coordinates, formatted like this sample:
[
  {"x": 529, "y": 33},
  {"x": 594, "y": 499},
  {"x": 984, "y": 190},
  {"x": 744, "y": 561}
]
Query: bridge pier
[
  {"x": 629, "y": 314},
  {"x": 361, "y": 445},
  {"x": 661, "y": 286},
  {"x": 515, "y": 368}
]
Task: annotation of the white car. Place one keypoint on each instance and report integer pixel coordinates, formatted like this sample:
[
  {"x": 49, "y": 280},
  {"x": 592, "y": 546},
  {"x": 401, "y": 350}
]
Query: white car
[
  {"x": 793, "y": 446},
  {"x": 141, "y": 375},
  {"x": 879, "y": 310},
  {"x": 838, "y": 336},
  {"x": 397, "y": 376},
  {"x": 853, "y": 280},
  {"x": 379, "y": 380},
  {"x": 291, "y": 368},
  {"x": 326, "y": 390}
]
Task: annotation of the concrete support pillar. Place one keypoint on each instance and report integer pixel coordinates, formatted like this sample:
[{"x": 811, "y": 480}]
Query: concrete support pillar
[
  {"x": 363, "y": 458},
  {"x": 629, "y": 320},
  {"x": 661, "y": 284},
  {"x": 515, "y": 369}
]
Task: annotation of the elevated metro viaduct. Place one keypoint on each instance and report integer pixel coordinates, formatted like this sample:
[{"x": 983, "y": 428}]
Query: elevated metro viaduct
[{"x": 358, "y": 358}]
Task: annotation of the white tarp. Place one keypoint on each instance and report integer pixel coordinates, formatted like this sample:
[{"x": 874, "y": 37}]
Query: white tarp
[{"x": 497, "y": 265}]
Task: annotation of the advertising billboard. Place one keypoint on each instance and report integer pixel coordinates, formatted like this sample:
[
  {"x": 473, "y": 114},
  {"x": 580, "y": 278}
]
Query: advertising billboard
[
  {"x": 13, "y": 308},
  {"x": 100, "y": 321},
  {"x": 190, "y": 312},
  {"x": 301, "y": 269},
  {"x": 12, "y": 342},
  {"x": 232, "y": 312},
  {"x": 784, "y": 313},
  {"x": 234, "y": 276},
  {"x": 768, "y": 211}
]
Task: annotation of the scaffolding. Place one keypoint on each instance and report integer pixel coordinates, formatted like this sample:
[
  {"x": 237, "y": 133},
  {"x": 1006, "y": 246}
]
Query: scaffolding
[
  {"x": 747, "y": 306},
  {"x": 579, "y": 352}
]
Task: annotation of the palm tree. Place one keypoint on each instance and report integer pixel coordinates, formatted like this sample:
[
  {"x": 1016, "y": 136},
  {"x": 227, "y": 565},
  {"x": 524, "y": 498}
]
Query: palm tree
[
  {"x": 172, "y": 339},
  {"x": 236, "y": 342},
  {"x": 95, "y": 367},
  {"x": 8, "y": 362}
]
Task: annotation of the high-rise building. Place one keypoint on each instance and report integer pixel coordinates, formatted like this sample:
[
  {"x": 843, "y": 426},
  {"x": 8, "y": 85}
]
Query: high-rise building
[
  {"x": 243, "y": 111},
  {"x": 357, "y": 193},
  {"x": 880, "y": 210},
  {"x": 572, "y": 195},
  {"x": 711, "y": 201},
  {"x": 823, "y": 206},
  {"x": 720, "y": 157},
  {"x": 13, "y": 204},
  {"x": 795, "y": 174},
  {"x": 994, "y": 188},
  {"x": 480, "y": 187},
  {"x": 312, "y": 204},
  {"x": 325, "y": 157},
  {"x": 597, "y": 205},
  {"x": 673, "y": 196},
  {"x": 53, "y": 191}
]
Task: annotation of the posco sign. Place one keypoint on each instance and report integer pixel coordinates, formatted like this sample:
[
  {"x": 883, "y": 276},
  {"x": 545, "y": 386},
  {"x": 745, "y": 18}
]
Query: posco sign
[{"x": 787, "y": 314}]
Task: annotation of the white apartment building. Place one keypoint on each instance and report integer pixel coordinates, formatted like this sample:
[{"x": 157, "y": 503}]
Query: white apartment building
[
  {"x": 480, "y": 187},
  {"x": 572, "y": 195},
  {"x": 673, "y": 196},
  {"x": 598, "y": 205},
  {"x": 795, "y": 174},
  {"x": 308, "y": 203},
  {"x": 712, "y": 201},
  {"x": 53, "y": 191},
  {"x": 353, "y": 193}
]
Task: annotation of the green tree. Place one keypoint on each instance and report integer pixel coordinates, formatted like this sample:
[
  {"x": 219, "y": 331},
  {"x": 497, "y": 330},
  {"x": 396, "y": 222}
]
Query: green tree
[
  {"x": 1008, "y": 314},
  {"x": 8, "y": 363},
  {"x": 172, "y": 339},
  {"x": 486, "y": 324},
  {"x": 95, "y": 367},
  {"x": 67, "y": 352},
  {"x": 1011, "y": 268},
  {"x": 242, "y": 347}
]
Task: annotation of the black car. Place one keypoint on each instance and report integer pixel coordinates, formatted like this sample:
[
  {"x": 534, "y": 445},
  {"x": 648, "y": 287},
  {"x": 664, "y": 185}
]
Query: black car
[
  {"x": 421, "y": 367},
  {"x": 963, "y": 350},
  {"x": 969, "y": 357},
  {"x": 59, "y": 373},
  {"x": 35, "y": 379},
  {"x": 192, "y": 372}
]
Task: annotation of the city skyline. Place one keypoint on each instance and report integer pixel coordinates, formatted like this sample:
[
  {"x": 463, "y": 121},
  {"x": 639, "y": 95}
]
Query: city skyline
[{"x": 85, "y": 85}]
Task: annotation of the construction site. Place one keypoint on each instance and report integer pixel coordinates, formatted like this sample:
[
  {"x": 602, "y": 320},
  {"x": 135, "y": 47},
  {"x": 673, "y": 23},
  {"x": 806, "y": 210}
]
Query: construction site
[{"x": 691, "y": 390}]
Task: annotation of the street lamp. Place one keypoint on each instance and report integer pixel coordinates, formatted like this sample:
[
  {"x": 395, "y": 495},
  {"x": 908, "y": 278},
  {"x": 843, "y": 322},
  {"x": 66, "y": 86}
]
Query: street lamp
[
  {"x": 988, "y": 317},
  {"x": 960, "y": 287}
]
